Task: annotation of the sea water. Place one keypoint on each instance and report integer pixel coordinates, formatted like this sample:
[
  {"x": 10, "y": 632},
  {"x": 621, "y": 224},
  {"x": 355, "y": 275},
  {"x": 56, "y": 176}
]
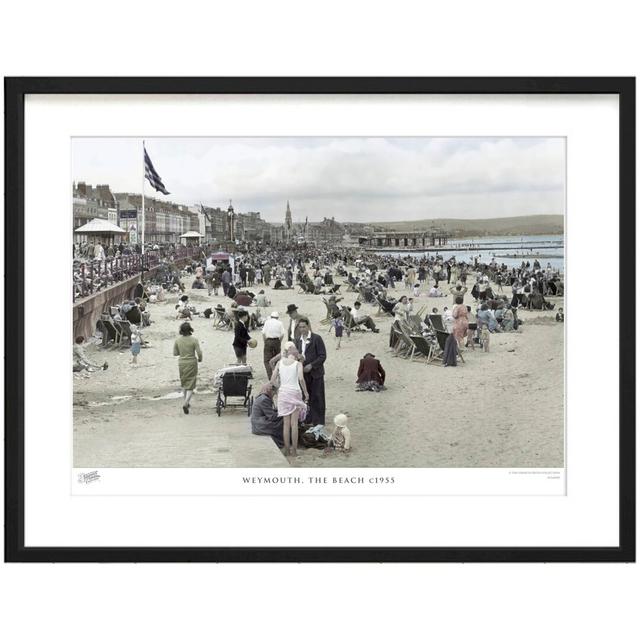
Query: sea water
[{"x": 488, "y": 247}]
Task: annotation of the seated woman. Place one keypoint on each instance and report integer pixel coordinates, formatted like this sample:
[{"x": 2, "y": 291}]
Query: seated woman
[
  {"x": 261, "y": 299},
  {"x": 508, "y": 320},
  {"x": 435, "y": 291},
  {"x": 132, "y": 311},
  {"x": 371, "y": 375},
  {"x": 145, "y": 315},
  {"x": 264, "y": 416},
  {"x": 536, "y": 301},
  {"x": 486, "y": 318},
  {"x": 243, "y": 299},
  {"x": 139, "y": 291},
  {"x": 183, "y": 309}
]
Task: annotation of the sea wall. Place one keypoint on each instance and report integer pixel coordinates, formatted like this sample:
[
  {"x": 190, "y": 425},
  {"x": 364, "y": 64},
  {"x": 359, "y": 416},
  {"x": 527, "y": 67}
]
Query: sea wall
[{"x": 87, "y": 311}]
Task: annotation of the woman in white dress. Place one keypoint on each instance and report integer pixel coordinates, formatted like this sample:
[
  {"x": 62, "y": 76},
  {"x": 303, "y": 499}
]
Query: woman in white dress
[{"x": 292, "y": 395}]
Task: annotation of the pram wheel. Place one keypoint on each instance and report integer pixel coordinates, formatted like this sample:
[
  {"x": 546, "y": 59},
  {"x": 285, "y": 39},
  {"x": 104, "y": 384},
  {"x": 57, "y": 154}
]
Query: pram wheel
[
  {"x": 250, "y": 406},
  {"x": 219, "y": 405}
]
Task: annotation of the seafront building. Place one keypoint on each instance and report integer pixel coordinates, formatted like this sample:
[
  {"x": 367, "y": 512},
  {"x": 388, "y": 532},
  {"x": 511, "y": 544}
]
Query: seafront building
[
  {"x": 90, "y": 203},
  {"x": 166, "y": 221}
]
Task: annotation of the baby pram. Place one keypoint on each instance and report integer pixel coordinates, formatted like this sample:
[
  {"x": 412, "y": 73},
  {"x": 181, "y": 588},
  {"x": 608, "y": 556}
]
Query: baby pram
[{"x": 235, "y": 384}]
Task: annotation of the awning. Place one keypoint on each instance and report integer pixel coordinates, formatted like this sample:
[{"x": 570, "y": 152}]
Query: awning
[
  {"x": 192, "y": 234},
  {"x": 100, "y": 226}
]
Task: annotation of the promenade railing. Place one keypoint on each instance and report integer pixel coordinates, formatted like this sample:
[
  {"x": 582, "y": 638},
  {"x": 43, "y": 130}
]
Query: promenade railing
[{"x": 93, "y": 275}]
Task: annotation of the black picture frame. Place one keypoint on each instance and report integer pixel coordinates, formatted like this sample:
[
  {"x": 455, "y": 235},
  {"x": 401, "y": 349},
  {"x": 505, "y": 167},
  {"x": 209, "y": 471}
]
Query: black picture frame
[{"x": 15, "y": 91}]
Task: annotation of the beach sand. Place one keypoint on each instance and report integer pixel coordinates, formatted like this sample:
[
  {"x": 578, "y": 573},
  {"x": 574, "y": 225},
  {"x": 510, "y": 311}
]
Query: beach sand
[{"x": 504, "y": 408}]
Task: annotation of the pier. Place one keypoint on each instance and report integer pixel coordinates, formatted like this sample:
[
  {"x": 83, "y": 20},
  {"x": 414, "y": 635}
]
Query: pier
[{"x": 406, "y": 240}]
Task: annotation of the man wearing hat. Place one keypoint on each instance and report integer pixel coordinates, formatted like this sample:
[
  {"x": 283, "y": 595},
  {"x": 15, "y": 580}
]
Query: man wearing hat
[
  {"x": 293, "y": 333},
  {"x": 272, "y": 332}
]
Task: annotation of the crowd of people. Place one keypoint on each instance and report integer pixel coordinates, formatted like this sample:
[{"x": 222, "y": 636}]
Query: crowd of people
[
  {"x": 99, "y": 265},
  {"x": 486, "y": 298}
]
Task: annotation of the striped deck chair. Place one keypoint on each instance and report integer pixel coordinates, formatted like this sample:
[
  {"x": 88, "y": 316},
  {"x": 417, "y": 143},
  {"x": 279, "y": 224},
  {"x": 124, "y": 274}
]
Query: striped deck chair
[{"x": 221, "y": 320}]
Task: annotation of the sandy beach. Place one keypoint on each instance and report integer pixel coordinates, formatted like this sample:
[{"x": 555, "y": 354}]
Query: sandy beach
[{"x": 504, "y": 408}]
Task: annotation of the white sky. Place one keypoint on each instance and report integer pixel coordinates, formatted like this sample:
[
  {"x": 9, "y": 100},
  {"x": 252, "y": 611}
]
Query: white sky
[{"x": 353, "y": 179}]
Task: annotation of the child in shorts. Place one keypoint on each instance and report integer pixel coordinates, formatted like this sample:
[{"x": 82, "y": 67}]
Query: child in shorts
[
  {"x": 136, "y": 341},
  {"x": 337, "y": 324}
]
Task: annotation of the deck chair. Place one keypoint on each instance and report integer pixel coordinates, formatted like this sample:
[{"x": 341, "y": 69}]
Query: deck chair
[
  {"x": 415, "y": 322},
  {"x": 382, "y": 310},
  {"x": 425, "y": 347},
  {"x": 327, "y": 318},
  {"x": 367, "y": 295},
  {"x": 125, "y": 330},
  {"x": 219, "y": 317},
  {"x": 442, "y": 339},
  {"x": 437, "y": 322},
  {"x": 349, "y": 323},
  {"x": 109, "y": 330},
  {"x": 400, "y": 347},
  {"x": 436, "y": 352},
  {"x": 408, "y": 340},
  {"x": 405, "y": 346},
  {"x": 335, "y": 288},
  {"x": 393, "y": 339}
]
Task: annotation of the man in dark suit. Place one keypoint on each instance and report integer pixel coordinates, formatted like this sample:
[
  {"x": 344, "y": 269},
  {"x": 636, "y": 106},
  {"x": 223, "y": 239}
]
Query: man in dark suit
[
  {"x": 241, "y": 337},
  {"x": 311, "y": 346}
]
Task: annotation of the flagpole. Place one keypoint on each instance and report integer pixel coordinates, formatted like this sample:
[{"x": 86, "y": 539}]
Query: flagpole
[{"x": 142, "y": 219}]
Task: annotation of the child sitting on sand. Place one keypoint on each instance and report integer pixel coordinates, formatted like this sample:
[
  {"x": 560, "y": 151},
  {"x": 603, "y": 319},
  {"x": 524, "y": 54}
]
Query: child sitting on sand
[
  {"x": 341, "y": 437},
  {"x": 81, "y": 362}
]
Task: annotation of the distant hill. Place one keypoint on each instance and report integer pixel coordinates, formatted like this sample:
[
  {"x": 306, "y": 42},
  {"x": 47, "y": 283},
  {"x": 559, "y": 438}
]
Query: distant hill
[{"x": 460, "y": 227}]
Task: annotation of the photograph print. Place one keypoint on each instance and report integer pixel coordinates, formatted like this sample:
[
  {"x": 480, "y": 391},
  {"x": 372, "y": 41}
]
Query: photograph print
[{"x": 318, "y": 302}]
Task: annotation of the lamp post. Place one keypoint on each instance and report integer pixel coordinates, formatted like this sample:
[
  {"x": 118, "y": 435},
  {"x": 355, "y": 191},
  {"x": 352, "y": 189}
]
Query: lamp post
[{"x": 231, "y": 219}]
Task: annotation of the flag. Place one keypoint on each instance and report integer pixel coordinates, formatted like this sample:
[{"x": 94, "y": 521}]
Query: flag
[
  {"x": 151, "y": 174},
  {"x": 204, "y": 212}
]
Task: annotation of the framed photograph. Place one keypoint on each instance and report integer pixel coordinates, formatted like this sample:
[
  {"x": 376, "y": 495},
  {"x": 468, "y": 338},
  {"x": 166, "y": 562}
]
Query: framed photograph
[{"x": 320, "y": 319}]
